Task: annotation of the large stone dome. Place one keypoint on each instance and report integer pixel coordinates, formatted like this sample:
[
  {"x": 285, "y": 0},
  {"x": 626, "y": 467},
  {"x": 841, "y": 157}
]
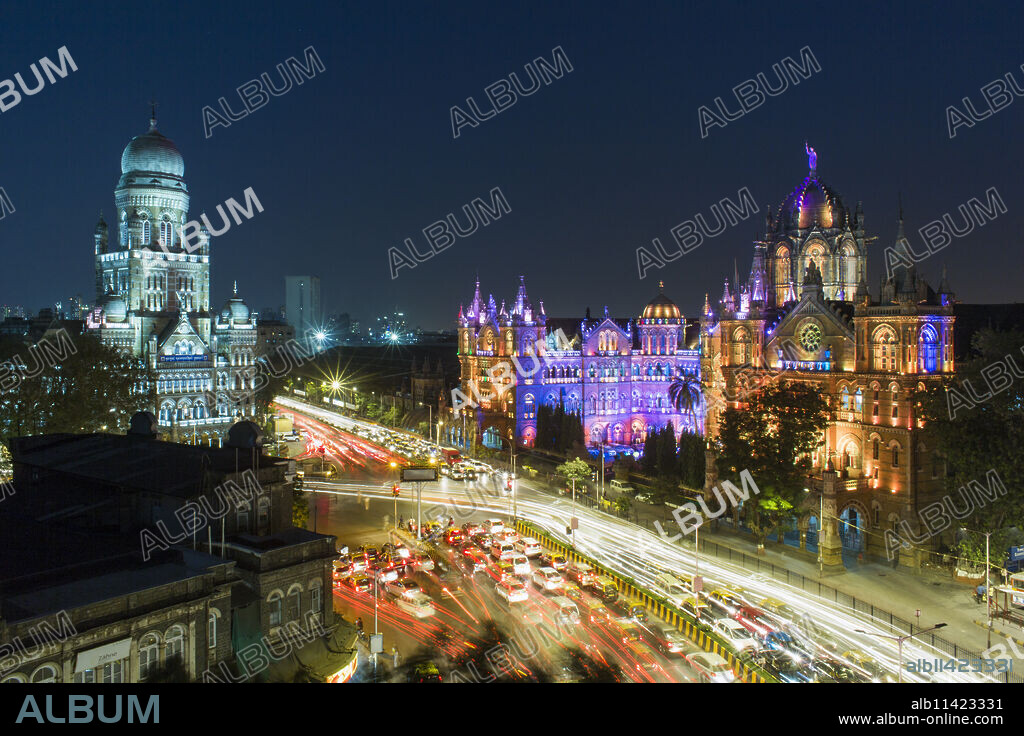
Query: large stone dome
[
  {"x": 235, "y": 311},
  {"x": 812, "y": 203},
  {"x": 114, "y": 308},
  {"x": 154, "y": 153},
  {"x": 661, "y": 307}
]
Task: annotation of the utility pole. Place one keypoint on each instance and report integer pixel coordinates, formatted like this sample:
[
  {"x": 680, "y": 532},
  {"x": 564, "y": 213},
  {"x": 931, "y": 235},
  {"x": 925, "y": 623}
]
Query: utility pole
[
  {"x": 600, "y": 493},
  {"x": 572, "y": 518}
]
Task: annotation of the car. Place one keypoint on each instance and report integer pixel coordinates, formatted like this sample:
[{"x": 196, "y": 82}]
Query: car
[
  {"x": 359, "y": 583},
  {"x": 782, "y": 667},
  {"x": 521, "y": 563},
  {"x": 506, "y": 535},
  {"x": 635, "y": 611},
  {"x": 568, "y": 611},
  {"x": 710, "y": 667},
  {"x": 754, "y": 620},
  {"x": 550, "y": 559},
  {"x": 528, "y": 546},
  {"x": 832, "y": 670},
  {"x": 493, "y": 526},
  {"x": 573, "y": 592},
  {"x": 387, "y": 574},
  {"x": 725, "y": 600},
  {"x": 359, "y": 564},
  {"x": 581, "y": 573},
  {"x": 423, "y": 561},
  {"x": 453, "y": 537},
  {"x": 668, "y": 640},
  {"x": 418, "y": 604},
  {"x": 513, "y": 591},
  {"x": 779, "y": 609},
  {"x": 472, "y": 527},
  {"x": 425, "y": 672},
  {"x": 596, "y": 613},
  {"x": 626, "y": 630},
  {"x": 644, "y": 498},
  {"x": 342, "y": 568},
  {"x": 502, "y": 550},
  {"x": 402, "y": 552},
  {"x": 780, "y": 641},
  {"x": 861, "y": 661},
  {"x": 604, "y": 588},
  {"x": 482, "y": 540},
  {"x": 402, "y": 587},
  {"x": 548, "y": 579},
  {"x": 506, "y": 572},
  {"x": 735, "y": 634},
  {"x": 695, "y": 607}
]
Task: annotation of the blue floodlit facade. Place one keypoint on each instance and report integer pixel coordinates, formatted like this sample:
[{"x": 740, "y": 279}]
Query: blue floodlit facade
[{"x": 615, "y": 373}]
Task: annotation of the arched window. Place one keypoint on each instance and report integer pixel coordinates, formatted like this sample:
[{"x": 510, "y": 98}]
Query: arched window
[
  {"x": 264, "y": 514},
  {"x": 294, "y": 603},
  {"x": 46, "y": 673},
  {"x": 895, "y": 455},
  {"x": 858, "y": 400},
  {"x": 782, "y": 273},
  {"x": 845, "y": 398},
  {"x": 874, "y": 449},
  {"x": 145, "y": 232},
  {"x": 884, "y": 349},
  {"x": 166, "y": 234},
  {"x": 174, "y": 644},
  {"x": 928, "y": 350},
  {"x": 316, "y": 598},
  {"x": 274, "y": 603},
  {"x": 242, "y": 518},
  {"x": 149, "y": 655},
  {"x": 211, "y": 629}
]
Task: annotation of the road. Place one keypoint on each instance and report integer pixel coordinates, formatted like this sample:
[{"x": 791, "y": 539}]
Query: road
[{"x": 640, "y": 554}]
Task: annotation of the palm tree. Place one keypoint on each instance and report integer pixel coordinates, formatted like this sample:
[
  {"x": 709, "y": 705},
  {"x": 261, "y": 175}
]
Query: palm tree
[{"x": 685, "y": 394}]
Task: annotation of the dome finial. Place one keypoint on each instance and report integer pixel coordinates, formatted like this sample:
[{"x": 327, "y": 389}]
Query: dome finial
[
  {"x": 236, "y": 287},
  {"x": 661, "y": 286},
  {"x": 812, "y": 157},
  {"x": 152, "y": 114}
]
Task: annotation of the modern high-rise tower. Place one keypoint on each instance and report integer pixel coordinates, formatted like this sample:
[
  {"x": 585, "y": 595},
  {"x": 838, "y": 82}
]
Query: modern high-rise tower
[{"x": 302, "y": 304}]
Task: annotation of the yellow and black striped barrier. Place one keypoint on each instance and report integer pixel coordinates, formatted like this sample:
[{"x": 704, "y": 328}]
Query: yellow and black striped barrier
[{"x": 674, "y": 617}]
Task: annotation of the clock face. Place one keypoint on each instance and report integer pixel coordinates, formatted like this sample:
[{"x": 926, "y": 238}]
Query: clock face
[{"x": 810, "y": 338}]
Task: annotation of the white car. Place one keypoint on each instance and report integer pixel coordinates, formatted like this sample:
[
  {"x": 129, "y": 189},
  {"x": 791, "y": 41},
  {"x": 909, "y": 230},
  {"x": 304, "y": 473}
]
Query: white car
[
  {"x": 494, "y": 526},
  {"x": 528, "y": 546},
  {"x": 711, "y": 668},
  {"x": 735, "y": 634},
  {"x": 547, "y": 578},
  {"x": 512, "y": 591},
  {"x": 419, "y": 605},
  {"x": 404, "y": 588},
  {"x": 521, "y": 564}
]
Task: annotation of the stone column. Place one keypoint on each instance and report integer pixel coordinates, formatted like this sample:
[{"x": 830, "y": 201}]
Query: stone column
[{"x": 829, "y": 543}]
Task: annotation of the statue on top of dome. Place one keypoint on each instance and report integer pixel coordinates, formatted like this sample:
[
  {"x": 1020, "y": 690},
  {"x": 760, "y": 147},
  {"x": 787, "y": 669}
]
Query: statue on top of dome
[{"x": 812, "y": 157}]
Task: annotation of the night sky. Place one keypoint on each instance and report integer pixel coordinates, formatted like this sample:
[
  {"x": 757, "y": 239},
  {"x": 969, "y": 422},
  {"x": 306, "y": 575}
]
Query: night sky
[{"x": 593, "y": 165}]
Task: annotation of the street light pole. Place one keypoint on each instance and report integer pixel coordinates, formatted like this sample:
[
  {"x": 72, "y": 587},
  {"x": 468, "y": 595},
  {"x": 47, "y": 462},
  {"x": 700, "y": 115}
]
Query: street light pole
[
  {"x": 573, "y": 516},
  {"x": 899, "y": 643}
]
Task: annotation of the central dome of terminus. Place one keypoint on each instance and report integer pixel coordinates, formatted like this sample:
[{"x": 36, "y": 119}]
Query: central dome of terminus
[
  {"x": 812, "y": 203},
  {"x": 153, "y": 153},
  {"x": 661, "y": 307}
]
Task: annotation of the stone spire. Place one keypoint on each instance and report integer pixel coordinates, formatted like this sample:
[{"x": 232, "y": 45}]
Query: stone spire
[{"x": 945, "y": 290}]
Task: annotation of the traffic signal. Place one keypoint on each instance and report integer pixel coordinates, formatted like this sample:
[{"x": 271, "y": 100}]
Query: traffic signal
[
  {"x": 394, "y": 489},
  {"x": 298, "y": 483}
]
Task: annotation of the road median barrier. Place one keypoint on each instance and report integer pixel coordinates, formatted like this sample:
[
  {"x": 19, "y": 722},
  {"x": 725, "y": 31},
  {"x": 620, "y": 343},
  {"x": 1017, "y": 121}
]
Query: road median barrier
[{"x": 656, "y": 604}]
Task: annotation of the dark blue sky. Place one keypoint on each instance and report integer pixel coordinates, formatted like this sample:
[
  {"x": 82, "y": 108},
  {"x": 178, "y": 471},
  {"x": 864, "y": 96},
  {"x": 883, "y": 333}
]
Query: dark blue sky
[{"x": 593, "y": 166}]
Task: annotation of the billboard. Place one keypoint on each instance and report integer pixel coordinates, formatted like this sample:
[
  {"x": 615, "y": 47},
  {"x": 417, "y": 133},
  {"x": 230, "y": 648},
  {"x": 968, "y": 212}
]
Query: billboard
[{"x": 419, "y": 473}]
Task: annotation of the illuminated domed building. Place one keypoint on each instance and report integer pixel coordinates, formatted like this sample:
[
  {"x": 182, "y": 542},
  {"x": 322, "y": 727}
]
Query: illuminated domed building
[
  {"x": 805, "y": 313},
  {"x": 153, "y": 297},
  {"x": 615, "y": 373}
]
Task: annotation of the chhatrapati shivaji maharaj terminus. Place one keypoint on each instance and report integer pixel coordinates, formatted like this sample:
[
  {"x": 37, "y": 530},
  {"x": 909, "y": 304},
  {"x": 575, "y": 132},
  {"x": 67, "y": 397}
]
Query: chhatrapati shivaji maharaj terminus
[{"x": 806, "y": 314}]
